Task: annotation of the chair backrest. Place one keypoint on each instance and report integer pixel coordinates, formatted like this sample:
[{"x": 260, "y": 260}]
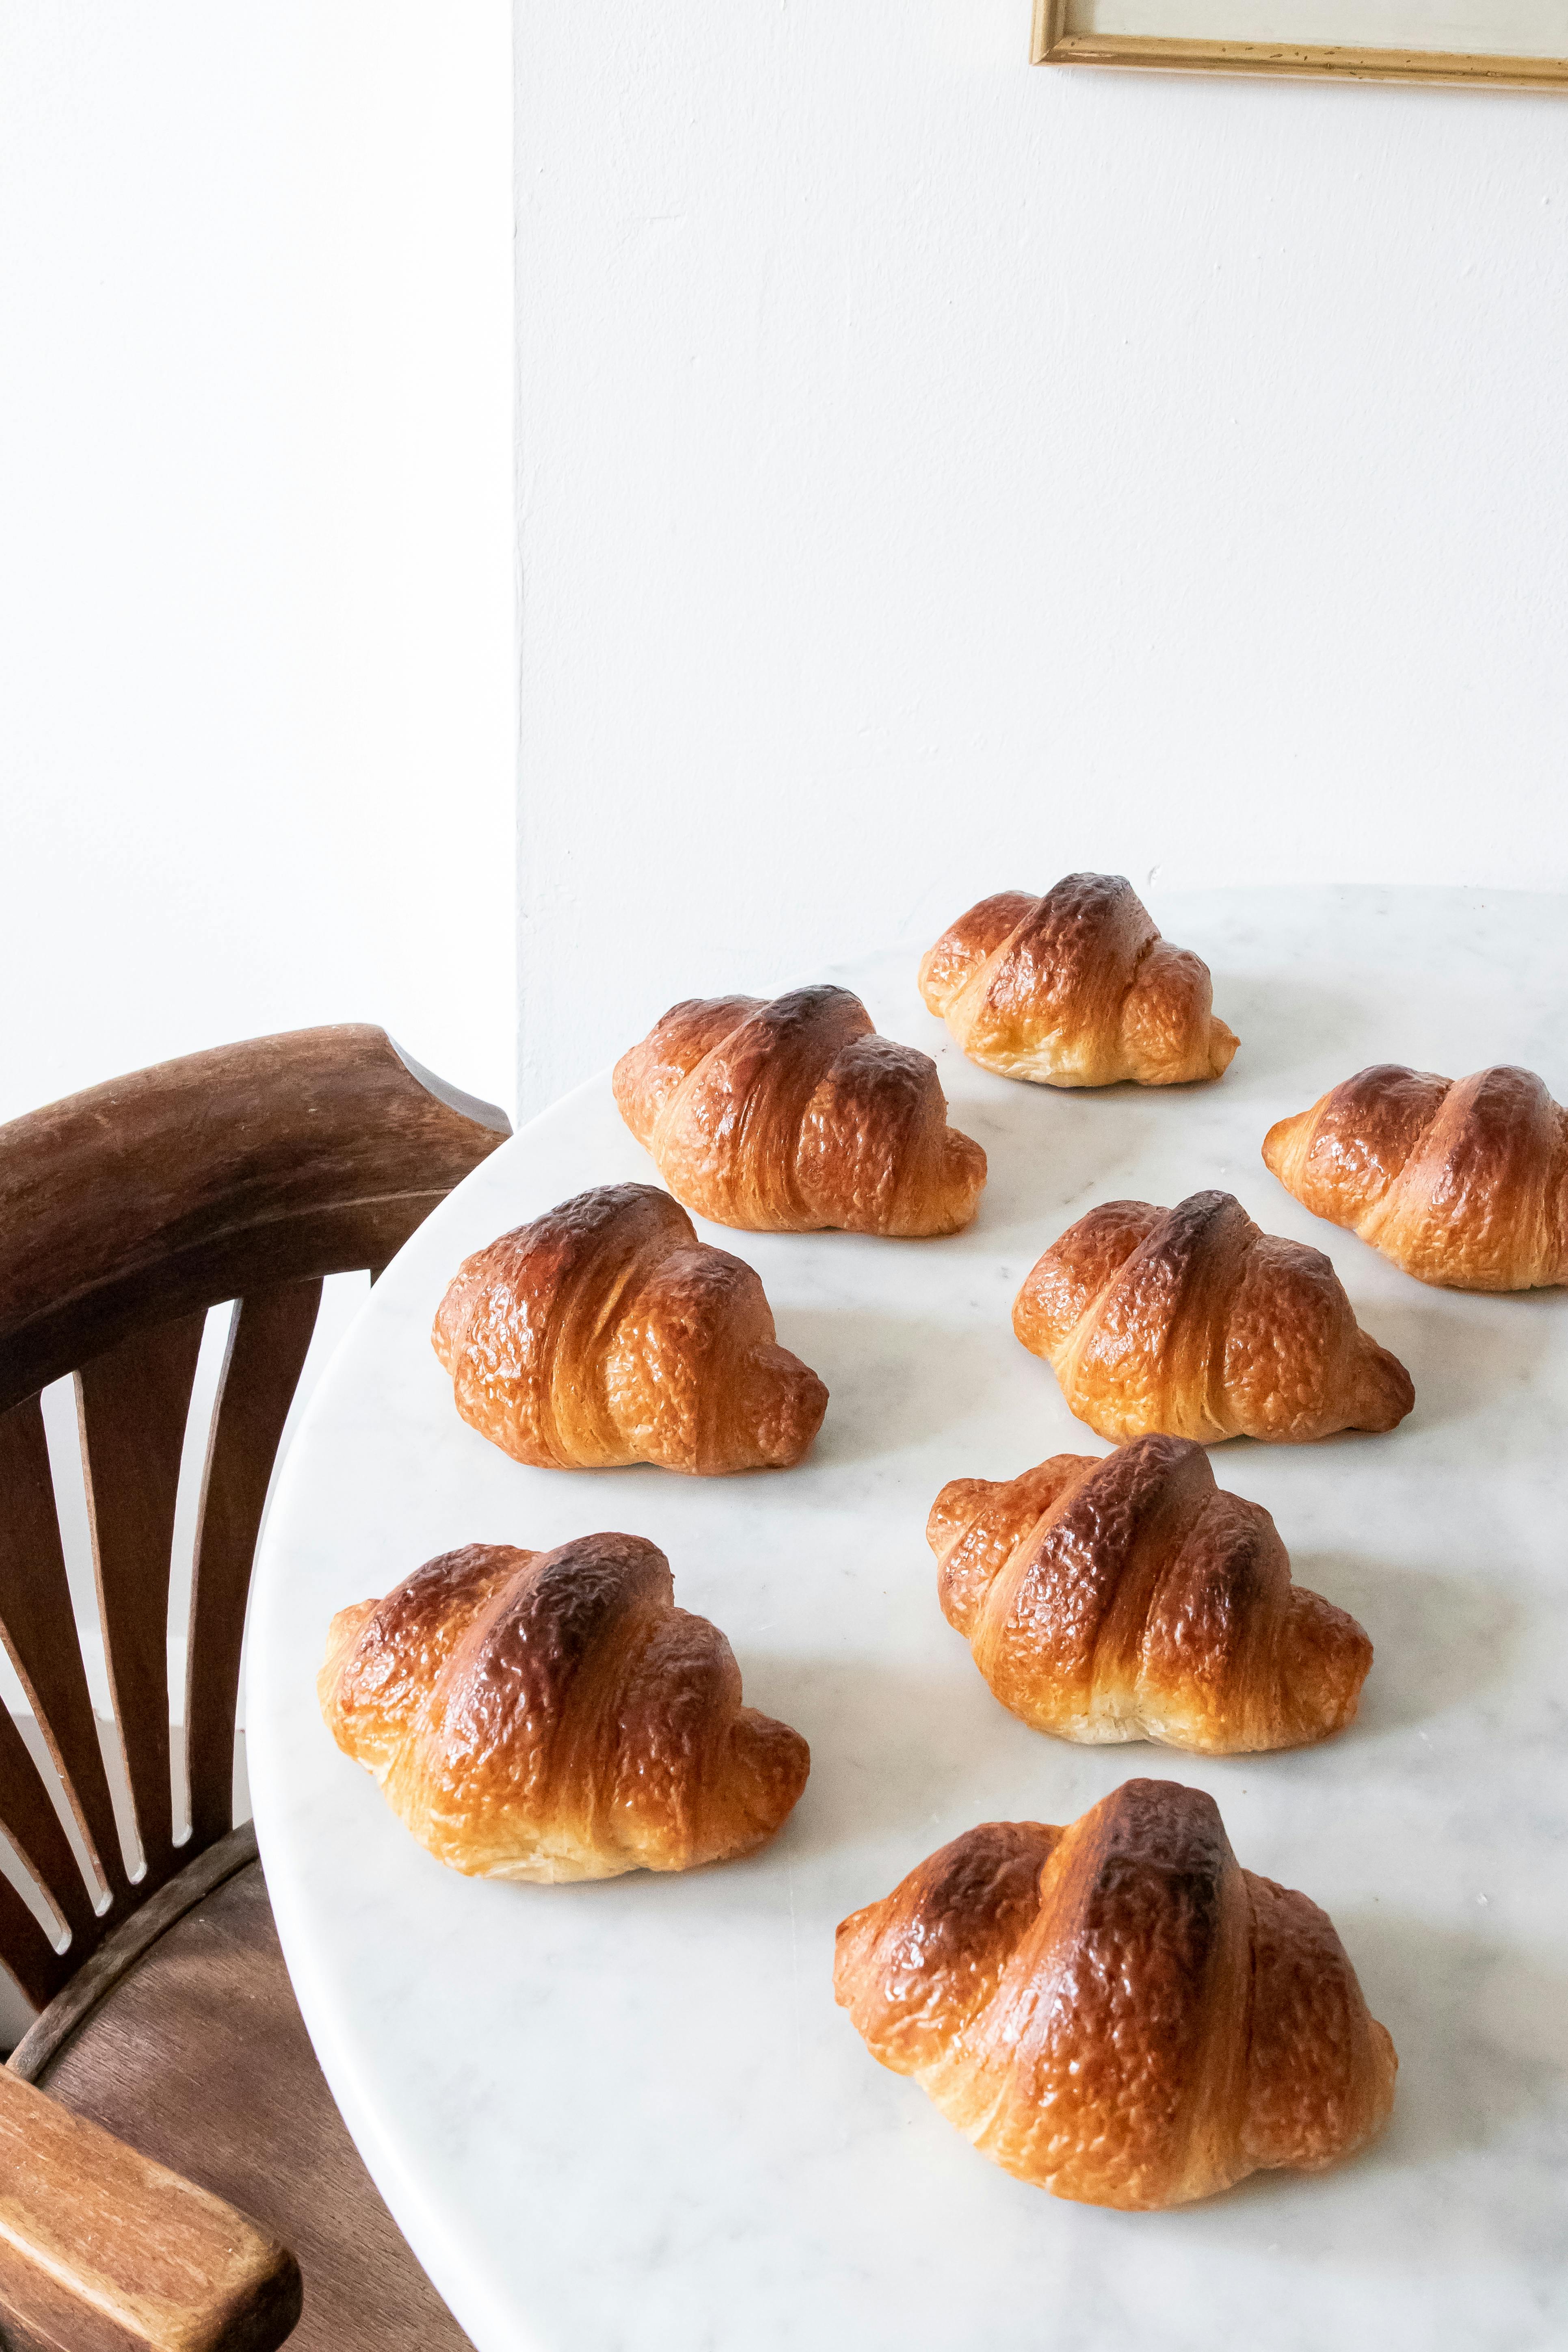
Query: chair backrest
[{"x": 250, "y": 1173}]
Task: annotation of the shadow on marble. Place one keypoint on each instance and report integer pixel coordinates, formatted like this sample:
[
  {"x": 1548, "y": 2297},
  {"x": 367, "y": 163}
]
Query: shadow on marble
[
  {"x": 1483, "y": 2042},
  {"x": 1286, "y": 1022},
  {"x": 1052, "y": 1159},
  {"x": 1438, "y": 1639},
  {"x": 1481, "y": 2031},
  {"x": 891, "y": 1378},
  {"x": 1465, "y": 1354},
  {"x": 1237, "y": 1449},
  {"x": 894, "y": 1747}
]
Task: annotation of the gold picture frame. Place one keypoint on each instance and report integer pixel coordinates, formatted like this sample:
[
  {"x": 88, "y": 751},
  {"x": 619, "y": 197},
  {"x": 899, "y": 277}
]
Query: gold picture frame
[{"x": 1058, "y": 42}]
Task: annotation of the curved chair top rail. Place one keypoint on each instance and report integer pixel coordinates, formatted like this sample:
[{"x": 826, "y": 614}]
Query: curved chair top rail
[
  {"x": 250, "y": 1173},
  {"x": 177, "y": 1187}
]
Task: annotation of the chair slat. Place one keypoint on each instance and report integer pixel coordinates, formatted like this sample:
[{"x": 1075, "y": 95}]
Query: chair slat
[
  {"x": 268, "y": 1339},
  {"x": 247, "y": 1172},
  {"x": 38, "y": 1627},
  {"x": 27, "y": 1955},
  {"x": 133, "y": 1403},
  {"x": 33, "y": 1826}
]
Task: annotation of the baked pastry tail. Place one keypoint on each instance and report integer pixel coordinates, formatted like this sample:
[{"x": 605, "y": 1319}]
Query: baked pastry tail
[
  {"x": 1463, "y": 1183},
  {"x": 1116, "y": 2011},
  {"x": 553, "y": 1716},
  {"x": 1129, "y": 1598},
  {"x": 1076, "y": 988},
  {"x": 793, "y": 1115},
  {"x": 1192, "y": 1322},
  {"x": 605, "y": 1332}
]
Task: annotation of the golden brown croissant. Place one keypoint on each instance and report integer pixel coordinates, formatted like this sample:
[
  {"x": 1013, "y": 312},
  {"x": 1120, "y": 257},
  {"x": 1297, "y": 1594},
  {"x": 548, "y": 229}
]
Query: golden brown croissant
[
  {"x": 1131, "y": 1598},
  {"x": 1190, "y": 1321},
  {"x": 553, "y": 1716},
  {"x": 1464, "y": 1183},
  {"x": 605, "y": 1332},
  {"x": 1076, "y": 988},
  {"x": 789, "y": 1115},
  {"x": 1116, "y": 2011}
]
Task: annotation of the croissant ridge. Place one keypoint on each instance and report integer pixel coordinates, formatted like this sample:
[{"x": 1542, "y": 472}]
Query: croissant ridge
[{"x": 553, "y": 1716}]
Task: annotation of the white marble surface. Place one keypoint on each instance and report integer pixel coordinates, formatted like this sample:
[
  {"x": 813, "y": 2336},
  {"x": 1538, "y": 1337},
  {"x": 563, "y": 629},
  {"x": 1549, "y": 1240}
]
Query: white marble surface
[{"x": 629, "y": 2115}]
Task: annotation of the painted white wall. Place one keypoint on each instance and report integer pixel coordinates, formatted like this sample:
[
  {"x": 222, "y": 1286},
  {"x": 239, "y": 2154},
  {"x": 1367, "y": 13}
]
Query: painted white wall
[
  {"x": 257, "y": 626},
  {"x": 938, "y": 475},
  {"x": 257, "y": 638}
]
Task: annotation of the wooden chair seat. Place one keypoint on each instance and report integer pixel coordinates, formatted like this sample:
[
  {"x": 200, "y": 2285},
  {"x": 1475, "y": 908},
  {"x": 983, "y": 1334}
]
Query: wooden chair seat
[
  {"x": 196, "y": 2055},
  {"x": 171, "y": 2160}
]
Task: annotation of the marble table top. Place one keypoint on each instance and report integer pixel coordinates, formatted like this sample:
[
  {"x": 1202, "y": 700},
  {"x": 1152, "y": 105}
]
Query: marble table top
[{"x": 629, "y": 2115}]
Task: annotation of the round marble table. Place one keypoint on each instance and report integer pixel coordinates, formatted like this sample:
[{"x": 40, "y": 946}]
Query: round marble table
[{"x": 629, "y": 2115}]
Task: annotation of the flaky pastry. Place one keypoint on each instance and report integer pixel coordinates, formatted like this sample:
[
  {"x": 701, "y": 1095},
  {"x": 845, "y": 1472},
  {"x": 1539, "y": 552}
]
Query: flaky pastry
[
  {"x": 1131, "y": 1598},
  {"x": 1076, "y": 988},
  {"x": 1462, "y": 1183},
  {"x": 552, "y": 1715},
  {"x": 1190, "y": 1321},
  {"x": 605, "y": 1332},
  {"x": 788, "y": 1116},
  {"x": 1116, "y": 2011}
]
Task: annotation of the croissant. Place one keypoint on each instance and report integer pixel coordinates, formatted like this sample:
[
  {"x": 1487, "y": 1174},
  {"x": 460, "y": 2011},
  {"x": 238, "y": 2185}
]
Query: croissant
[
  {"x": 1190, "y": 1321},
  {"x": 552, "y": 1715},
  {"x": 789, "y": 1115},
  {"x": 605, "y": 1332},
  {"x": 1115, "y": 2010},
  {"x": 1131, "y": 1598},
  {"x": 1076, "y": 988},
  {"x": 1464, "y": 1183}
]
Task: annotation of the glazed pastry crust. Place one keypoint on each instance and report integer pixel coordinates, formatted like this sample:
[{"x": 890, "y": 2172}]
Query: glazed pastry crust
[
  {"x": 1192, "y": 1322},
  {"x": 1131, "y": 1598},
  {"x": 789, "y": 1115},
  {"x": 605, "y": 1332},
  {"x": 1463, "y": 1183},
  {"x": 1116, "y": 2011},
  {"x": 1076, "y": 988},
  {"x": 552, "y": 1715}
]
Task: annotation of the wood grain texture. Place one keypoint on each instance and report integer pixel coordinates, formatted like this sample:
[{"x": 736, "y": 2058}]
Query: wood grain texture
[
  {"x": 119, "y": 1952},
  {"x": 267, "y": 1342},
  {"x": 38, "y": 1628},
  {"x": 152, "y": 2261},
  {"x": 173, "y": 1188},
  {"x": 33, "y": 1828},
  {"x": 200, "y": 2059},
  {"x": 1053, "y": 45},
  {"x": 133, "y": 1403},
  {"x": 126, "y": 1214}
]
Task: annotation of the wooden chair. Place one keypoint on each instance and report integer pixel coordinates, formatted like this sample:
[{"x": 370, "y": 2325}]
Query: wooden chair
[{"x": 168, "y": 2079}]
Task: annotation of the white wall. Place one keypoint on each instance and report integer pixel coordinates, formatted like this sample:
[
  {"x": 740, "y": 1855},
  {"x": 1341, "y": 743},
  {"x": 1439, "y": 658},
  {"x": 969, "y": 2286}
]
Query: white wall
[
  {"x": 256, "y": 631},
  {"x": 256, "y": 550},
  {"x": 939, "y": 475}
]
